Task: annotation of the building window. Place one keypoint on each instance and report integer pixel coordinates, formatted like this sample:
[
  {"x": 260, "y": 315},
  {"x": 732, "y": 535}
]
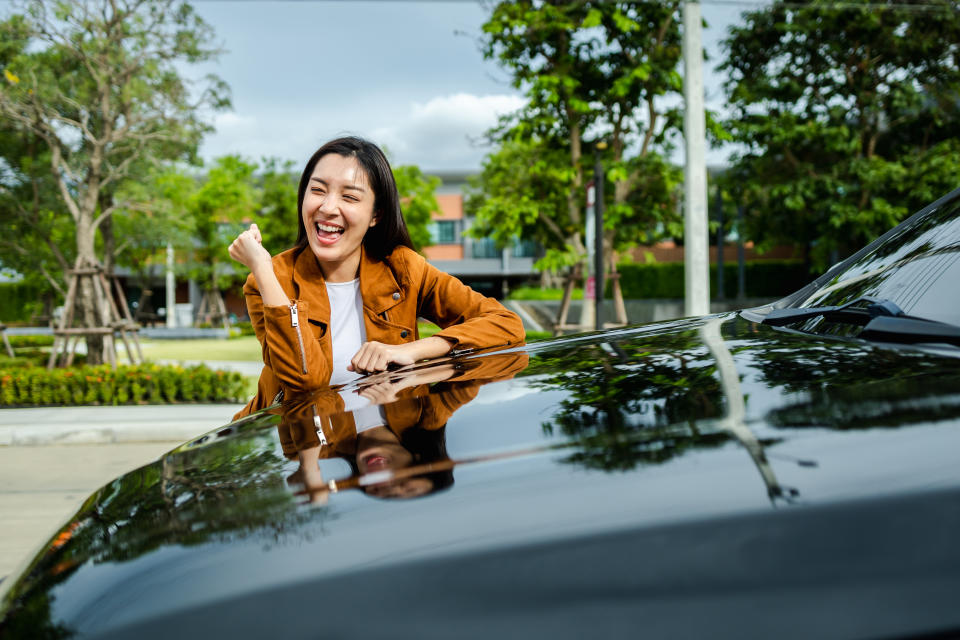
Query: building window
[
  {"x": 525, "y": 249},
  {"x": 444, "y": 232},
  {"x": 485, "y": 248}
]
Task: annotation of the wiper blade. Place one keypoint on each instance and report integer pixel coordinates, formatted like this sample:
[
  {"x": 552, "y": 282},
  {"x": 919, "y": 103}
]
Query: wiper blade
[
  {"x": 851, "y": 312},
  {"x": 882, "y": 321},
  {"x": 910, "y": 330}
]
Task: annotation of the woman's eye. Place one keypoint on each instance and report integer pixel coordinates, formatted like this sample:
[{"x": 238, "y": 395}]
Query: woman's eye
[{"x": 351, "y": 199}]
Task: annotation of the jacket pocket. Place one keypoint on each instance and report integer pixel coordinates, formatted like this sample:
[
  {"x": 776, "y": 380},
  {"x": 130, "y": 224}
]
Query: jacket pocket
[{"x": 321, "y": 325}]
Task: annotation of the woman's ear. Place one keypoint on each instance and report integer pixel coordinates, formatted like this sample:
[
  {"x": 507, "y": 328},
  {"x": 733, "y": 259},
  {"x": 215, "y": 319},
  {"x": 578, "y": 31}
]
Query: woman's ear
[{"x": 375, "y": 219}]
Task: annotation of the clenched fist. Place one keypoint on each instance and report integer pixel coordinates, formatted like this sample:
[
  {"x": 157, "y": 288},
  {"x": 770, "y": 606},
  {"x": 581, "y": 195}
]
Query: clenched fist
[{"x": 248, "y": 249}]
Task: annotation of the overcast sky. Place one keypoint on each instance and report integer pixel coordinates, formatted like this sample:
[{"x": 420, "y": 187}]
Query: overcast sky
[{"x": 408, "y": 75}]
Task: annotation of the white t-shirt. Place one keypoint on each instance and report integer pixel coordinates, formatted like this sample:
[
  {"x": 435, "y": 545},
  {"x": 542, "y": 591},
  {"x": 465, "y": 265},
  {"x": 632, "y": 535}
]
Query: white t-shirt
[{"x": 348, "y": 333}]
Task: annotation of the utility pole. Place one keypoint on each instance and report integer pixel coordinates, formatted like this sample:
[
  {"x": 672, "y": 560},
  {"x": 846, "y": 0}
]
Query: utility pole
[
  {"x": 171, "y": 290},
  {"x": 598, "y": 180},
  {"x": 721, "y": 237},
  {"x": 696, "y": 240},
  {"x": 588, "y": 318}
]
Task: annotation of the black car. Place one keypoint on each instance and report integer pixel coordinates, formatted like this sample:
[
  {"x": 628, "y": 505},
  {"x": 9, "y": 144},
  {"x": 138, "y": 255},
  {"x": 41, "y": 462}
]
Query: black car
[{"x": 785, "y": 471}]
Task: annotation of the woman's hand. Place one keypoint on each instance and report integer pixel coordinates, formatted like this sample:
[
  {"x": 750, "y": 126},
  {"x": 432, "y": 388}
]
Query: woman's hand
[
  {"x": 248, "y": 249},
  {"x": 385, "y": 391},
  {"x": 377, "y": 356}
]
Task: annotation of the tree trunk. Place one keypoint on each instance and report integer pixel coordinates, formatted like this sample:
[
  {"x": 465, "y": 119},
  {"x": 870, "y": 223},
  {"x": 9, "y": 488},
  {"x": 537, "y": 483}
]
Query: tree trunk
[{"x": 88, "y": 306}]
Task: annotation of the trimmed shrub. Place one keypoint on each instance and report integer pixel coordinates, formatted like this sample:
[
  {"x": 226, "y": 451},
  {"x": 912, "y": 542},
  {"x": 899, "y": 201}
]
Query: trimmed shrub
[
  {"x": 19, "y": 301},
  {"x": 101, "y": 385},
  {"x": 30, "y": 341},
  {"x": 240, "y": 329},
  {"x": 764, "y": 279},
  {"x": 536, "y": 293}
]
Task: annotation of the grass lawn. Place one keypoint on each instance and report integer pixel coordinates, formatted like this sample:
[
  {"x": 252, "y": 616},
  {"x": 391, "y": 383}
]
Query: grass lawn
[{"x": 245, "y": 348}]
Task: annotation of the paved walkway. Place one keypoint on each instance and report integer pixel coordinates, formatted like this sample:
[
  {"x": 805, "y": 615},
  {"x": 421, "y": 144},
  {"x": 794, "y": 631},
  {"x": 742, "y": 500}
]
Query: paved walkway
[
  {"x": 41, "y": 487},
  {"x": 106, "y": 425}
]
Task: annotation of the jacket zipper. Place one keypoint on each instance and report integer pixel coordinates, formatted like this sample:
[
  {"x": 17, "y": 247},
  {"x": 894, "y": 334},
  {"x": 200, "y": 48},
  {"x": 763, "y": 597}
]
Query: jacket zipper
[
  {"x": 295, "y": 323},
  {"x": 319, "y": 426}
]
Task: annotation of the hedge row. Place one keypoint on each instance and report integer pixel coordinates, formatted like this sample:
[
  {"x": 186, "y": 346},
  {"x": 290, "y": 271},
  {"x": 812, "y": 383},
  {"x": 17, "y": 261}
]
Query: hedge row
[
  {"x": 18, "y": 301},
  {"x": 763, "y": 279},
  {"x": 101, "y": 385},
  {"x": 30, "y": 341}
]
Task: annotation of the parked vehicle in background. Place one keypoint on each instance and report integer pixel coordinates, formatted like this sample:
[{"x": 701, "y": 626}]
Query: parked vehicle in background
[{"x": 785, "y": 471}]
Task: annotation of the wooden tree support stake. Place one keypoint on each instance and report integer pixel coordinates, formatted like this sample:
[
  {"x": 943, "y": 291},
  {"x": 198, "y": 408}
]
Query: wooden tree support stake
[{"x": 112, "y": 319}]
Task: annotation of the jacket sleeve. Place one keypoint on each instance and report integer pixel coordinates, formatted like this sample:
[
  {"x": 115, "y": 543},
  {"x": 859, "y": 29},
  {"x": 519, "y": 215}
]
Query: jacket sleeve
[
  {"x": 468, "y": 319},
  {"x": 289, "y": 347}
]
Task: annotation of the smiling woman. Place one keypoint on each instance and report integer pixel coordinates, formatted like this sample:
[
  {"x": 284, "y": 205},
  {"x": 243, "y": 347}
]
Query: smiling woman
[{"x": 344, "y": 301}]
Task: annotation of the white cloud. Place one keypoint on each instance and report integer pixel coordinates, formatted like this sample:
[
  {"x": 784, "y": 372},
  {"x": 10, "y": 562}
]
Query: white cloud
[
  {"x": 442, "y": 133},
  {"x": 233, "y": 123}
]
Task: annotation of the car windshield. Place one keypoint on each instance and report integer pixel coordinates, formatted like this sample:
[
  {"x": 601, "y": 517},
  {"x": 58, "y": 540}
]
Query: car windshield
[{"x": 917, "y": 267}]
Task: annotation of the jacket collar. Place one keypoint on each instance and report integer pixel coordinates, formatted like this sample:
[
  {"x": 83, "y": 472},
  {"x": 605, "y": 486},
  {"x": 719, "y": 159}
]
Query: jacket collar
[{"x": 378, "y": 284}]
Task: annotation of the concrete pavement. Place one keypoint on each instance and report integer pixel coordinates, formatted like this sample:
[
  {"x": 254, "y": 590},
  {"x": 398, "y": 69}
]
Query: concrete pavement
[
  {"x": 106, "y": 425},
  {"x": 52, "y": 458},
  {"x": 42, "y": 486}
]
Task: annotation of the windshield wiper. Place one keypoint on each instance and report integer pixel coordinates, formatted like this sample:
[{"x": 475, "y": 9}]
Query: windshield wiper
[
  {"x": 851, "y": 312},
  {"x": 882, "y": 321}
]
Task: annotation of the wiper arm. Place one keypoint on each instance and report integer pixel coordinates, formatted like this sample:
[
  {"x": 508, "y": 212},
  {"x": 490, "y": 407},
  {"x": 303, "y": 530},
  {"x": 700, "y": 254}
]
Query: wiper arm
[
  {"x": 849, "y": 312},
  {"x": 882, "y": 321}
]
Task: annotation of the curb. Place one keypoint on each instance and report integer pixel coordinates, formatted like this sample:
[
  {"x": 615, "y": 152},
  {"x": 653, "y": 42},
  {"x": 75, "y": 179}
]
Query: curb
[{"x": 111, "y": 425}]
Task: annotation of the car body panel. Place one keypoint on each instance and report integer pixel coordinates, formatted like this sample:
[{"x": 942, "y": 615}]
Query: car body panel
[{"x": 620, "y": 476}]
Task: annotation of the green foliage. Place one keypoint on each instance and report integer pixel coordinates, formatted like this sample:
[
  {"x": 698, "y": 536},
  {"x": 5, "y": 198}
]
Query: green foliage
[
  {"x": 521, "y": 192},
  {"x": 155, "y": 216},
  {"x": 540, "y": 293},
  {"x": 19, "y": 300},
  {"x": 241, "y": 329},
  {"x": 93, "y": 96},
  {"x": 277, "y": 215},
  {"x": 102, "y": 385},
  {"x": 665, "y": 280},
  {"x": 418, "y": 201},
  {"x": 30, "y": 341},
  {"x": 225, "y": 200},
  {"x": 763, "y": 279},
  {"x": 603, "y": 67},
  {"x": 850, "y": 118}
]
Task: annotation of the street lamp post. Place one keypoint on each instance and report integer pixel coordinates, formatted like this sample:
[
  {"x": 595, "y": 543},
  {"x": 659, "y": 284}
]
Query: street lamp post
[{"x": 598, "y": 180}]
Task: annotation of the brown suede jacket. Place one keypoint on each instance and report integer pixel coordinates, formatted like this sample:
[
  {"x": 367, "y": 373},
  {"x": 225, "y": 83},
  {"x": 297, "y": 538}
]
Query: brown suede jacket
[
  {"x": 306, "y": 417},
  {"x": 296, "y": 343}
]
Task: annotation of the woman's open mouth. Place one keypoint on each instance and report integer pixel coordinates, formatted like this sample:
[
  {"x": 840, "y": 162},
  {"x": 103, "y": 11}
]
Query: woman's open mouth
[
  {"x": 376, "y": 463},
  {"x": 328, "y": 233}
]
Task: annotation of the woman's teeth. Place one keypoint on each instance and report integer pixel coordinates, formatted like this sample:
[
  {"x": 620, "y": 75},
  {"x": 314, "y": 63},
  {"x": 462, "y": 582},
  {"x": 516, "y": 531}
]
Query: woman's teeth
[{"x": 329, "y": 228}]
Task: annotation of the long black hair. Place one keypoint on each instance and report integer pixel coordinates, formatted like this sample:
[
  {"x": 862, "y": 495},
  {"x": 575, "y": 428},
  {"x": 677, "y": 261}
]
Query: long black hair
[{"x": 390, "y": 231}]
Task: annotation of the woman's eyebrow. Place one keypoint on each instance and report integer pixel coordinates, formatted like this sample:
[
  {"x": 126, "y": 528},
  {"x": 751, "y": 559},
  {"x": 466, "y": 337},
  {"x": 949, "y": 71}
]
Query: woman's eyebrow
[{"x": 355, "y": 187}]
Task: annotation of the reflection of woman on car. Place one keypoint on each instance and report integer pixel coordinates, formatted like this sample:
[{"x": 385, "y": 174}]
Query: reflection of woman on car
[
  {"x": 346, "y": 298},
  {"x": 406, "y": 457}
]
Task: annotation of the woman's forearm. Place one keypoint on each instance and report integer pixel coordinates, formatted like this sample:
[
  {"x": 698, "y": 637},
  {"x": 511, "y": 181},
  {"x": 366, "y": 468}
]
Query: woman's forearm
[{"x": 270, "y": 290}]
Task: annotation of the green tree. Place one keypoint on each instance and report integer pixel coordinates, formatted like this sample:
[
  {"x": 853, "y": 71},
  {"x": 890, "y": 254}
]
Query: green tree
[
  {"x": 592, "y": 72},
  {"x": 36, "y": 239},
  {"x": 277, "y": 215},
  {"x": 849, "y": 116},
  {"x": 418, "y": 201},
  {"x": 226, "y": 199},
  {"x": 99, "y": 82},
  {"x": 155, "y": 217}
]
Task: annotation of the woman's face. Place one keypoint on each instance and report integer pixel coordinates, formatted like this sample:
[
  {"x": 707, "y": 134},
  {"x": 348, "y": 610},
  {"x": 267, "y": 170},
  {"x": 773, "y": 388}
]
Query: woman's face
[
  {"x": 338, "y": 208},
  {"x": 379, "y": 449}
]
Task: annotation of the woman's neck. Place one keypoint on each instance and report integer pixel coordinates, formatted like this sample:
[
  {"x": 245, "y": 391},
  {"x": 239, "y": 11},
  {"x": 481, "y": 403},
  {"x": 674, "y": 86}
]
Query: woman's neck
[{"x": 342, "y": 271}]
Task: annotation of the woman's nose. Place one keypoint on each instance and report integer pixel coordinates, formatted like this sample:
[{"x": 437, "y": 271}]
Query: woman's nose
[{"x": 327, "y": 205}]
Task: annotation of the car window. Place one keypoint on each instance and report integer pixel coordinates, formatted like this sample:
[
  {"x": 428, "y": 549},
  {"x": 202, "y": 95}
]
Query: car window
[{"x": 917, "y": 268}]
